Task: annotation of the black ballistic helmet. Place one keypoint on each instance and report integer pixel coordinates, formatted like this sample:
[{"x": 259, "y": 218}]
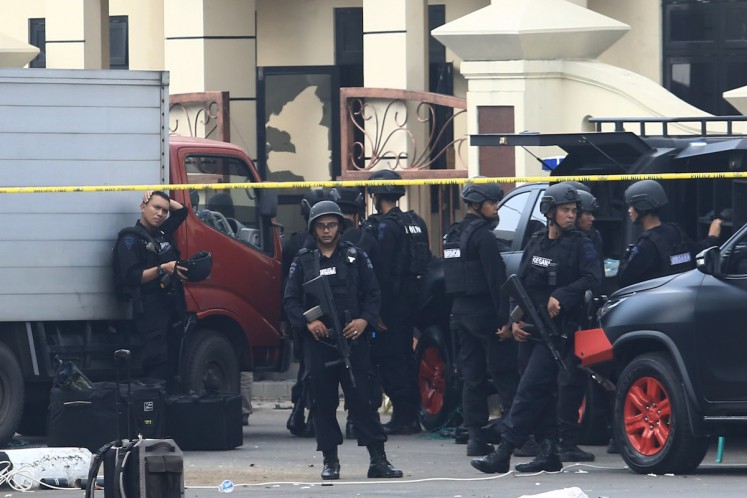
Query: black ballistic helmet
[
  {"x": 588, "y": 202},
  {"x": 482, "y": 192},
  {"x": 310, "y": 198},
  {"x": 348, "y": 197},
  {"x": 323, "y": 208},
  {"x": 198, "y": 266},
  {"x": 386, "y": 174},
  {"x": 645, "y": 195},
  {"x": 557, "y": 194}
]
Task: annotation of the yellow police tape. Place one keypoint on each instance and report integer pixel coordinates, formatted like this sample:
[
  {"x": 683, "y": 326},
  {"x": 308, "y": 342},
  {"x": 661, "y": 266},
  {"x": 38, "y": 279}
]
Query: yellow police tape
[{"x": 372, "y": 183}]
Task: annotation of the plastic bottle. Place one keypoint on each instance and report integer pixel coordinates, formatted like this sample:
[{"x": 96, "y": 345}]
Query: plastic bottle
[{"x": 225, "y": 487}]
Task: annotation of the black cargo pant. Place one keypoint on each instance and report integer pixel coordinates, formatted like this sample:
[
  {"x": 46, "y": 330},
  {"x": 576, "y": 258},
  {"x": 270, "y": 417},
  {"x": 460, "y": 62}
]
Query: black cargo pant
[
  {"x": 481, "y": 352},
  {"x": 571, "y": 391},
  {"x": 160, "y": 346},
  {"x": 534, "y": 410},
  {"x": 324, "y": 374}
]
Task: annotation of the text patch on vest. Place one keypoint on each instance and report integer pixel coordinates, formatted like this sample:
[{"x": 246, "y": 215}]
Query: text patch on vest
[
  {"x": 452, "y": 253},
  {"x": 540, "y": 261},
  {"x": 328, "y": 271},
  {"x": 678, "y": 259}
]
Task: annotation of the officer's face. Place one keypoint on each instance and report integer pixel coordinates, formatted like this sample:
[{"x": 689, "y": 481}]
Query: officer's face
[
  {"x": 489, "y": 209},
  {"x": 155, "y": 212},
  {"x": 565, "y": 215},
  {"x": 633, "y": 214},
  {"x": 585, "y": 221},
  {"x": 326, "y": 229}
]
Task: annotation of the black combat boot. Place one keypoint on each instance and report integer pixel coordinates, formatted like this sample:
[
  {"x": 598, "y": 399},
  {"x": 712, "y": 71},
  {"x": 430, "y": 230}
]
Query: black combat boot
[
  {"x": 380, "y": 466},
  {"x": 547, "y": 459},
  {"x": 295, "y": 423},
  {"x": 331, "y": 468},
  {"x": 570, "y": 452},
  {"x": 476, "y": 445},
  {"x": 497, "y": 462}
]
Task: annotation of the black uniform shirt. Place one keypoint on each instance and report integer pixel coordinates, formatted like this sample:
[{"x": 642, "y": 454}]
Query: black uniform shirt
[
  {"x": 133, "y": 257},
  {"x": 367, "y": 293},
  {"x": 483, "y": 246}
]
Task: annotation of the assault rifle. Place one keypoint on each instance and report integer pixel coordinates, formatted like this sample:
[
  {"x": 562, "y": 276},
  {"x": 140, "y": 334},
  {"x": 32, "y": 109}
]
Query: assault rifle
[
  {"x": 536, "y": 315},
  {"x": 320, "y": 290}
]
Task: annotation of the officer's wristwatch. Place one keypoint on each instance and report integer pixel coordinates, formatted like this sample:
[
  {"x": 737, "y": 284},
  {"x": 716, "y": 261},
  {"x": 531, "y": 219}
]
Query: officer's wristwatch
[{"x": 161, "y": 272}]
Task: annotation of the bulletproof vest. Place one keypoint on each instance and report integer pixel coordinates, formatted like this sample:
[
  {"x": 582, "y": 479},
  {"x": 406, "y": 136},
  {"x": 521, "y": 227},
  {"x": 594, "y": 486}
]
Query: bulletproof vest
[
  {"x": 413, "y": 258},
  {"x": 463, "y": 276},
  {"x": 342, "y": 278},
  {"x": 548, "y": 268},
  {"x": 674, "y": 251},
  {"x": 157, "y": 251}
]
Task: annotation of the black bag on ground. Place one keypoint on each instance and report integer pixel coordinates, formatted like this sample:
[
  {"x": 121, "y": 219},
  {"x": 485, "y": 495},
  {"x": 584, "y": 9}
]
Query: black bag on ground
[
  {"x": 82, "y": 418},
  {"x": 145, "y": 412},
  {"x": 207, "y": 422}
]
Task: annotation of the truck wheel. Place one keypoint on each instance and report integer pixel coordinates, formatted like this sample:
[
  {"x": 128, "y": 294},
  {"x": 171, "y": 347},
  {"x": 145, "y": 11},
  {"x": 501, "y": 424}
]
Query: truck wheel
[
  {"x": 11, "y": 395},
  {"x": 210, "y": 362},
  {"x": 592, "y": 415},
  {"x": 651, "y": 418},
  {"x": 439, "y": 392}
]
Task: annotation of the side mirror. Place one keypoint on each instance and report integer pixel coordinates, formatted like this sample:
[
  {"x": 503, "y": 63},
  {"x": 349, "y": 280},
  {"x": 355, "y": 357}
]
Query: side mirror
[
  {"x": 268, "y": 203},
  {"x": 708, "y": 261}
]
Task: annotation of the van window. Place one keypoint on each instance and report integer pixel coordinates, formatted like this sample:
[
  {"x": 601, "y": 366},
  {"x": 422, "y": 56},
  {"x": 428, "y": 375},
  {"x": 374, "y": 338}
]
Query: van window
[
  {"x": 510, "y": 216},
  {"x": 232, "y": 212}
]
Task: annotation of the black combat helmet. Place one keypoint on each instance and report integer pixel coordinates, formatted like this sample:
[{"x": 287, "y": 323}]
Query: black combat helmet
[
  {"x": 349, "y": 199},
  {"x": 645, "y": 195},
  {"x": 198, "y": 266},
  {"x": 482, "y": 192},
  {"x": 579, "y": 186},
  {"x": 386, "y": 174},
  {"x": 588, "y": 202},
  {"x": 310, "y": 198},
  {"x": 323, "y": 208},
  {"x": 557, "y": 194}
]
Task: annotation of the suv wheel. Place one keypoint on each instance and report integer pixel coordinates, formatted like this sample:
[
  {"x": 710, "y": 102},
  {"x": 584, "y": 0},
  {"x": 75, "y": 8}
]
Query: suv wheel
[
  {"x": 439, "y": 393},
  {"x": 651, "y": 418}
]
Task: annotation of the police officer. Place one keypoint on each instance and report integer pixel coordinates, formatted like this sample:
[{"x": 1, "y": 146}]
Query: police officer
[
  {"x": 557, "y": 267},
  {"x": 356, "y": 300},
  {"x": 572, "y": 382},
  {"x": 297, "y": 241},
  {"x": 403, "y": 259},
  {"x": 474, "y": 273},
  {"x": 662, "y": 248},
  {"x": 147, "y": 260}
]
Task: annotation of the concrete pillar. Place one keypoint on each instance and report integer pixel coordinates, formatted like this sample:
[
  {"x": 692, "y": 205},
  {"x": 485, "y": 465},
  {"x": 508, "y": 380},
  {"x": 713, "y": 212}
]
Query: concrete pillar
[
  {"x": 395, "y": 56},
  {"x": 77, "y": 33},
  {"x": 211, "y": 45}
]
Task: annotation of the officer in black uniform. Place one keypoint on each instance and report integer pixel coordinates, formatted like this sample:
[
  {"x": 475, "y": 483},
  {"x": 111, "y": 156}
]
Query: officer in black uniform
[
  {"x": 357, "y": 300},
  {"x": 662, "y": 248},
  {"x": 147, "y": 260},
  {"x": 403, "y": 260},
  {"x": 474, "y": 273},
  {"x": 297, "y": 241},
  {"x": 557, "y": 268},
  {"x": 572, "y": 383}
]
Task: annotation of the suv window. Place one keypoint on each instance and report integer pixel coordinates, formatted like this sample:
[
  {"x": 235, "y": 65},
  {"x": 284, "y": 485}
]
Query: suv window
[
  {"x": 736, "y": 259},
  {"x": 510, "y": 216},
  {"x": 232, "y": 212},
  {"x": 537, "y": 221}
]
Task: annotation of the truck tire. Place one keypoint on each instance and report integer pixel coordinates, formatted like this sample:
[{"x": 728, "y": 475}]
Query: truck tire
[
  {"x": 11, "y": 395},
  {"x": 593, "y": 415},
  {"x": 210, "y": 359},
  {"x": 651, "y": 418},
  {"x": 438, "y": 386}
]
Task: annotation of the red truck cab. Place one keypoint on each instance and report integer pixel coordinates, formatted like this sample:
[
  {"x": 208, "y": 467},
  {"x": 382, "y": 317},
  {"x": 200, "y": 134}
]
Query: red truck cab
[{"x": 238, "y": 307}]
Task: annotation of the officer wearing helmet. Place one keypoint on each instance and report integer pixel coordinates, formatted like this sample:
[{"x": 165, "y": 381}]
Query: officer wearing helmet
[
  {"x": 474, "y": 273},
  {"x": 662, "y": 248},
  {"x": 558, "y": 266},
  {"x": 357, "y": 300},
  {"x": 403, "y": 258},
  {"x": 297, "y": 423}
]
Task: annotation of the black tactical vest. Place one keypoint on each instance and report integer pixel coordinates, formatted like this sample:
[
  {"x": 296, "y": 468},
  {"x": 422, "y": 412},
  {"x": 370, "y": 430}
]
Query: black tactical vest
[
  {"x": 545, "y": 269},
  {"x": 414, "y": 256},
  {"x": 463, "y": 276},
  {"x": 342, "y": 278},
  {"x": 675, "y": 255}
]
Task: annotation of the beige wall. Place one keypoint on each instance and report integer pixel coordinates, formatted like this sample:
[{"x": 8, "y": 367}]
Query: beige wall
[
  {"x": 643, "y": 39},
  {"x": 145, "y": 19}
]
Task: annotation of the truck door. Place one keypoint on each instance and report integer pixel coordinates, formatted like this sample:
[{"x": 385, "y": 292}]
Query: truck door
[
  {"x": 245, "y": 279},
  {"x": 720, "y": 332}
]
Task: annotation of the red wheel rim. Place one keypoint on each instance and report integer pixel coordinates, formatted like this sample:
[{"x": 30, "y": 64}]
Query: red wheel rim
[
  {"x": 647, "y": 415},
  {"x": 432, "y": 380}
]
